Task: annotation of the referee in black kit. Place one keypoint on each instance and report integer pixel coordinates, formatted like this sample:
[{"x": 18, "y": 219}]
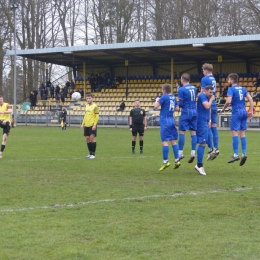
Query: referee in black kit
[{"x": 138, "y": 124}]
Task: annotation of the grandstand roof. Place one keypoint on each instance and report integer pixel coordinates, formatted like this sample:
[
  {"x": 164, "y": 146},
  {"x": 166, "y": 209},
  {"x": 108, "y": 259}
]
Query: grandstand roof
[{"x": 199, "y": 50}]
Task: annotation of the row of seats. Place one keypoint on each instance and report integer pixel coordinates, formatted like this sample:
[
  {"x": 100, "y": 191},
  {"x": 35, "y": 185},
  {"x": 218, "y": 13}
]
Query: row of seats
[
  {"x": 176, "y": 76},
  {"x": 109, "y": 99}
]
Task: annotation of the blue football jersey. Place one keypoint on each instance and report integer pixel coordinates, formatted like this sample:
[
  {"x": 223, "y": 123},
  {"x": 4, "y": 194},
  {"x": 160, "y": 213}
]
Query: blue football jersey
[
  {"x": 168, "y": 103},
  {"x": 203, "y": 113},
  {"x": 209, "y": 80},
  {"x": 238, "y": 95},
  {"x": 187, "y": 96}
]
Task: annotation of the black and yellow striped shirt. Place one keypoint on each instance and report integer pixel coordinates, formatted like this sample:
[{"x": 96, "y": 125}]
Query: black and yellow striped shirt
[{"x": 91, "y": 115}]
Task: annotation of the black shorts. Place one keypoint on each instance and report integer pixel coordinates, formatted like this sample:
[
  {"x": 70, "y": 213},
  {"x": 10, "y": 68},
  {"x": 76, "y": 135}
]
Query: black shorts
[
  {"x": 6, "y": 128},
  {"x": 138, "y": 129},
  {"x": 88, "y": 131}
]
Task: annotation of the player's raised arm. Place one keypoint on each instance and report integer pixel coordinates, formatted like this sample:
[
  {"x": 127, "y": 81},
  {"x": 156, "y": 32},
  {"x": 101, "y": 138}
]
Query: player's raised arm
[
  {"x": 227, "y": 104},
  {"x": 157, "y": 103},
  {"x": 207, "y": 104}
]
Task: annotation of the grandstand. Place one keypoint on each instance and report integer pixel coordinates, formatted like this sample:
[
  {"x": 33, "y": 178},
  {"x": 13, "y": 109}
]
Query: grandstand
[
  {"x": 153, "y": 59},
  {"x": 144, "y": 88}
]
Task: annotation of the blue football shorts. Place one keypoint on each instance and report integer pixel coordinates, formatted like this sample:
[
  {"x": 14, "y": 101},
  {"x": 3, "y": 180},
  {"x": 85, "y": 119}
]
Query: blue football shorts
[
  {"x": 188, "y": 123},
  {"x": 168, "y": 130},
  {"x": 238, "y": 120},
  {"x": 202, "y": 132}
]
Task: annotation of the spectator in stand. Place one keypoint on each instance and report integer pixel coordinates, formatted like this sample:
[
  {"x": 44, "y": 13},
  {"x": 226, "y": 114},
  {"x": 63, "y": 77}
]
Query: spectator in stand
[
  {"x": 119, "y": 79},
  {"x": 72, "y": 84},
  {"x": 108, "y": 84},
  {"x": 57, "y": 93},
  {"x": 92, "y": 81},
  {"x": 48, "y": 86},
  {"x": 122, "y": 106},
  {"x": 178, "y": 85},
  {"x": 257, "y": 83},
  {"x": 52, "y": 91},
  {"x": 68, "y": 84},
  {"x": 46, "y": 93},
  {"x": 62, "y": 96},
  {"x": 81, "y": 93},
  {"x": 113, "y": 83},
  {"x": 32, "y": 100},
  {"x": 255, "y": 96},
  {"x": 66, "y": 89},
  {"x": 100, "y": 82},
  {"x": 44, "y": 96},
  {"x": 224, "y": 92},
  {"x": 106, "y": 77},
  {"x": 35, "y": 94},
  {"x": 42, "y": 89},
  {"x": 216, "y": 76}
]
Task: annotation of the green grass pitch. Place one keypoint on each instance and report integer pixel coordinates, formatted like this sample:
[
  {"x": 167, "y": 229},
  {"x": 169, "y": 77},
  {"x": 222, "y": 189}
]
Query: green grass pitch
[{"x": 54, "y": 204}]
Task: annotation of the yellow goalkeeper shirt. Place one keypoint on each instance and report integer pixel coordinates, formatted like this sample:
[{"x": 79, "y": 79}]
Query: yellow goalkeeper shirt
[
  {"x": 91, "y": 115},
  {"x": 3, "y": 108}
]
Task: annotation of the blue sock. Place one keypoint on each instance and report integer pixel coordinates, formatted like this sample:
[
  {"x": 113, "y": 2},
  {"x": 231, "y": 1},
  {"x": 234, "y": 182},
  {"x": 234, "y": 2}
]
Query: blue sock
[
  {"x": 181, "y": 141},
  {"x": 200, "y": 153},
  {"x": 165, "y": 152},
  {"x": 243, "y": 144},
  {"x": 193, "y": 142},
  {"x": 210, "y": 139},
  {"x": 235, "y": 144},
  {"x": 175, "y": 150},
  {"x": 214, "y": 131}
]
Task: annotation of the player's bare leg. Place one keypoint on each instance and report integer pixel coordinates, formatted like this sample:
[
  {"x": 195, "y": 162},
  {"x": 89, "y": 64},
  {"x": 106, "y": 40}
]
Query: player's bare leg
[{"x": 3, "y": 145}]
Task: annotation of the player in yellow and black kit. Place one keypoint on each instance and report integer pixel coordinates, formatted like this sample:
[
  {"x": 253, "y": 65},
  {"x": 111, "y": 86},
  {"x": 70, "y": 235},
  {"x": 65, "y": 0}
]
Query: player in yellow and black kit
[
  {"x": 138, "y": 124},
  {"x": 5, "y": 119},
  {"x": 89, "y": 125}
]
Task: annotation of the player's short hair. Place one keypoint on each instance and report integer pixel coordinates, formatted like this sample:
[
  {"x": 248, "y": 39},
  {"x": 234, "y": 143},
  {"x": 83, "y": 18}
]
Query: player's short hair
[
  {"x": 89, "y": 95},
  {"x": 1, "y": 96},
  {"x": 167, "y": 88},
  {"x": 186, "y": 77},
  {"x": 208, "y": 67},
  {"x": 209, "y": 87},
  {"x": 234, "y": 77}
]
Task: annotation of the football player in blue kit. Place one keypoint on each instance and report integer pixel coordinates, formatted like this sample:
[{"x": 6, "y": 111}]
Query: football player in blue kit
[
  {"x": 209, "y": 80},
  {"x": 168, "y": 131},
  {"x": 204, "y": 104},
  {"x": 238, "y": 124},
  {"x": 188, "y": 119}
]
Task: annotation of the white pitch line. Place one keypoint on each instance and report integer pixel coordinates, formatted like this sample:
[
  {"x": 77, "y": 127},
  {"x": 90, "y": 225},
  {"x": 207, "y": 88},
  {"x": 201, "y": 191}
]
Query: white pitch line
[
  {"x": 97, "y": 158},
  {"x": 77, "y": 158},
  {"x": 60, "y": 206}
]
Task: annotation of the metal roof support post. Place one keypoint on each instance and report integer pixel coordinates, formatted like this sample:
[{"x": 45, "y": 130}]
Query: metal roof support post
[
  {"x": 84, "y": 78},
  {"x": 126, "y": 80},
  {"x": 172, "y": 71},
  {"x": 220, "y": 77},
  {"x": 14, "y": 6}
]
